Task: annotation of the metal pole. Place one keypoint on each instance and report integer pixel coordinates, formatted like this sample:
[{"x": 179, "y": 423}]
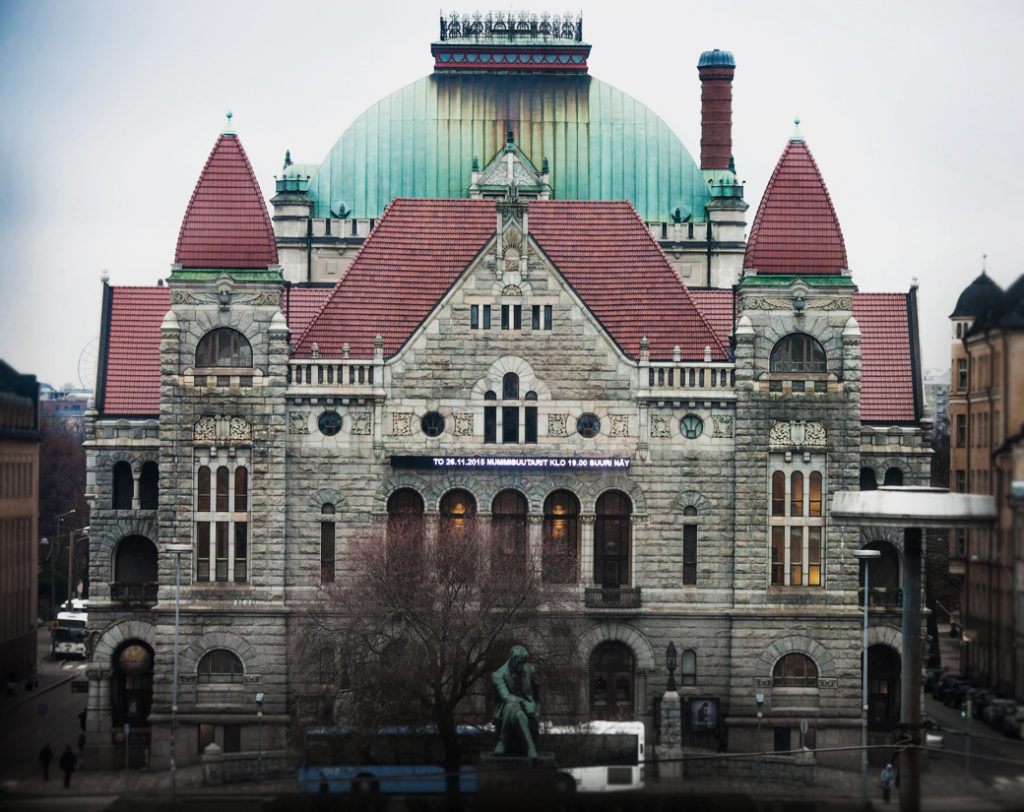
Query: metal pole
[
  {"x": 967, "y": 760},
  {"x": 71, "y": 566},
  {"x": 174, "y": 687},
  {"x": 910, "y": 695},
  {"x": 864, "y": 699},
  {"x": 759, "y": 745},
  {"x": 259, "y": 744}
]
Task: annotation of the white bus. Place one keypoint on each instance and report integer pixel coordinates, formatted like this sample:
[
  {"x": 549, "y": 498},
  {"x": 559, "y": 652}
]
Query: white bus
[
  {"x": 67, "y": 636},
  {"x": 601, "y": 756}
]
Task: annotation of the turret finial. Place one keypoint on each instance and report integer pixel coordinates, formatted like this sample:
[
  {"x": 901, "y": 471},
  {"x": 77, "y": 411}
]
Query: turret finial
[
  {"x": 228, "y": 128},
  {"x": 797, "y": 135}
]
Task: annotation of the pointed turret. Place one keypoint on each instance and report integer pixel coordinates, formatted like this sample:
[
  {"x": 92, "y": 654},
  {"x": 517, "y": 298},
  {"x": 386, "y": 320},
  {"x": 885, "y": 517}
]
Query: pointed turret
[
  {"x": 226, "y": 225},
  {"x": 796, "y": 230}
]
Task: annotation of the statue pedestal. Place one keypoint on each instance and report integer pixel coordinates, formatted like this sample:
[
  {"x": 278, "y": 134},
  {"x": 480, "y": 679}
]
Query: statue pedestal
[
  {"x": 517, "y": 774},
  {"x": 670, "y": 744}
]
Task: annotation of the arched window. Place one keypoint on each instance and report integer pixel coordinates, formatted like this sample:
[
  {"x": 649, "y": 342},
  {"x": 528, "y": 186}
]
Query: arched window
[
  {"x": 405, "y": 517},
  {"x": 690, "y": 546},
  {"x": 510, "y": 386},
  {"x": 883, "y": 573},
  {"x": 795, "y": 671},
  {"x": 224, "y": 347},
  {"x": 508, "y": 528},
  {"x": 560, "y": 538},
  {"x": 612, "y": 532},
  {"x": 868, "y": 482},
  {"x": 223, "y": 477},
  {"x": 458, "y": 510},
  {"x": 327, "y": 544},
  {"x": 778, "y": 494},
  {"x": 203, "y": 490},
  {"x": 894, "y": 476},
  {"x": 796, "y": 494},
  {"x": 611, "y": 681},
  {"x": 222, "y": 524},
  {"x": 220, "y": 665},
  {"x": 241, "y": 489},
  {"x": 124, "y": 486},
  {"x": 797, "y": 352},
  {"x": 688, "y": 667},
  {"x": 149, "y": 486},
  {"x": 135, "y": 571}
]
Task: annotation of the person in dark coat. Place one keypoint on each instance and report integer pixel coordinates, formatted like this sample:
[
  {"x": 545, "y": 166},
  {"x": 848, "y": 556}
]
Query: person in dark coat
[
  {"x": 886, "y": 781},
  {"x": 45, "y": 757},
  {"x": 68, "y": 762}
]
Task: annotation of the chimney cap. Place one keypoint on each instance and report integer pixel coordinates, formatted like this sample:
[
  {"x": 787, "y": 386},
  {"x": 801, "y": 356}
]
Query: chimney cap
[{"x": 716, "y": 58}]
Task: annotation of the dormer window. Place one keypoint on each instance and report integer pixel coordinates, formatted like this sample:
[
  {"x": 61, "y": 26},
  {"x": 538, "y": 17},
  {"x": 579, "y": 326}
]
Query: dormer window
[{"x": 224, "y": 347}]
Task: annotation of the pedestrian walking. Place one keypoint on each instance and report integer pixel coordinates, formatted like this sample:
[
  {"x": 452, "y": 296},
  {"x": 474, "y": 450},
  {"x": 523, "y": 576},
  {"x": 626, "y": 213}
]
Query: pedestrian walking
[
  {"x": 68, "y": 762},
  {"x": 886, "y": 782},
  {"x": 45, "y": 757}
]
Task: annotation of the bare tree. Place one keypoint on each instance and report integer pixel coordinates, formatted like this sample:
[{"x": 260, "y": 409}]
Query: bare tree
[{"x": 417, "y": 623}]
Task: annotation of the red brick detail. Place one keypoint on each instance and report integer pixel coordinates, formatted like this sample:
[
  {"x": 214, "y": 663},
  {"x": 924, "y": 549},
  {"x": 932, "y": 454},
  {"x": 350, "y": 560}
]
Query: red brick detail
[
  {"x": 796, "y": 229},
  {"x": 715, "y": 116},
  {"x": 887, "y": 385},
  {"x": 420, "y": 248},
  {"x": 226, "y": 224}
]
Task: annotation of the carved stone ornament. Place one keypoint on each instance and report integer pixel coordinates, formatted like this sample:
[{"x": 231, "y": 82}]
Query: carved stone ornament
[
  {"x": 723, "y": 425},
  {"x": 240, "y": 429},
  {"x": 222, "y": 429},
  {"x": 182, "y": 297},
  {"x": 814, "y": 435},
  {"x": 620, "y": 425},
  {"x": 267, "y": 297},
  {"x": 828, "y": 682},
  {"x": 205, "y": 429},
  {"x": 831, "y": 304},
  {"x": 463, "y": 424},
  {"x": 660, "y": 426},
  {"x": 298, "y": 422},
  {"x": 556, "y": 425},
  {"x": 511, "y": 290},
  {"x": 362, "y": 422},
  {"x": 780, "y": 434},
  {"x": 764, "y": 303},
  {"x": 401, "y": 424}
]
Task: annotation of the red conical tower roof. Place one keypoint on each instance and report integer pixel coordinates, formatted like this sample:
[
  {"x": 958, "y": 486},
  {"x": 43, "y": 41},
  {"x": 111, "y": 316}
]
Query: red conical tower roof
[
  {"x": 226, "y": 224},
  {"x": 796, "y": 230}
]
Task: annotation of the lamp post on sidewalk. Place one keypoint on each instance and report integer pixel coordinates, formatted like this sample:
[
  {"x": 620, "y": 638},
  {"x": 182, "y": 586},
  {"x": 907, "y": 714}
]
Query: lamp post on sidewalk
[
  {"x": 177, "y": 549},
  {"x": 865, "y": 557}
]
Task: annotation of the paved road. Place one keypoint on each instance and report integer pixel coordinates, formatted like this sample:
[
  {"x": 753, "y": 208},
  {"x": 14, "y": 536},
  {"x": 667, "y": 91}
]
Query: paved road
[{"x": 48, "y": 714}]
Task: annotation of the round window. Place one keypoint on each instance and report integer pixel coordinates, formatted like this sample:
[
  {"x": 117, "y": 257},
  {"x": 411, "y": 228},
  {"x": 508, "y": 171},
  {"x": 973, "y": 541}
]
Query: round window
[
  {"x": 691, "y": 426},
  {"x": 588, "y": 425},
  {"x": 432, "y": 424},
  {"x": 329, "y": 423}
]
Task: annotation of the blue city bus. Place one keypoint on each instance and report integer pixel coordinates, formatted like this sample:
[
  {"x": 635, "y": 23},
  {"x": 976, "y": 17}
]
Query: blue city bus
[{"x": 590, "y": 757}]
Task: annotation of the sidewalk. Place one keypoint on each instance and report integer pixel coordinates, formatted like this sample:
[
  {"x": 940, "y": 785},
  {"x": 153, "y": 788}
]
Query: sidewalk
[{"x": 48, "y": 679}]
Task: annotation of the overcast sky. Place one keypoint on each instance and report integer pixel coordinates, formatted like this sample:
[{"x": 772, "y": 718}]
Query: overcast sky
[{"x": 109, "y": 110}]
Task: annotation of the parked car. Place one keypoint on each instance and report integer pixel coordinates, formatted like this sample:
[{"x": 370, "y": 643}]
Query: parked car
[
  {"x": 996, "y": 710},
  {"x": 955, "y": 698},
  {"x": 980, "y": 701},
  {"x": 946, "y": 683},
  {"x": 1013, "y": 723},
  {"x": 931, "y": 678}
]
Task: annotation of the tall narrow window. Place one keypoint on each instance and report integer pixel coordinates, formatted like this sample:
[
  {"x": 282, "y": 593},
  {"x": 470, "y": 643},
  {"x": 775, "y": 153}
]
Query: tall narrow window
[
  {"x": 504, "y": 317},
  {"x": 508, "y": 527},
  {"x": 490, "y": 418},
  {"x": 487, "y": 317},
  {"x": 612, "y": 532},
  {"x": 510, "y": 424},
  {"x": 405, "y": 518},
  {"x": 688, "y": 667},
  {"x": 517, "y": 317},
  {"x": 327, "y": 544},
  {"x": 510, "y": 386},
  {"x": 149, "y": 486},
  {"x": 241, "y": 490},
  {"x": 796, "y": 524},
  {"x": 561, "y": 538},
  {"x": 222, "y": 489},
  {"x": 547, "y": 317},
  {"x": 124, "y": 486},
  {"x": 458, "y": 514},
  {"x": 474, "y": 317},
  {"x": 222, "y": 523},
  {"x": 690, "y": 546},
  {"x": 530, "y": 418},
  {"x": 203, "y": 490},
  {"x": 535, "y": 321}
]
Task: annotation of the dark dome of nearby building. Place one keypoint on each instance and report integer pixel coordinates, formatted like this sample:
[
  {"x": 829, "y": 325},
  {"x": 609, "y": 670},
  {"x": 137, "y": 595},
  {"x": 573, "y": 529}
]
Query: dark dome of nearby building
[{"x": 977, "y": 297}]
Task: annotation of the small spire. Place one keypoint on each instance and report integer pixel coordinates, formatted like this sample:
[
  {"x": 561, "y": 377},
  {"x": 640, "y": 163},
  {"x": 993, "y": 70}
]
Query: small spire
[
  {"x": 797, "y": 135},
  {"x": 287, "y": 158},
  {"x": 228, "y": 128},
  {"x": 984, "y": 260}
]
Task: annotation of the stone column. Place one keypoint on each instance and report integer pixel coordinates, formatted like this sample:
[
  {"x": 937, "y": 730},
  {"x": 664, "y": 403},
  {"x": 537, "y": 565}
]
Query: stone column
[
  {"x": 535, "y": 541},
  {"x": 587, "y": 548}
]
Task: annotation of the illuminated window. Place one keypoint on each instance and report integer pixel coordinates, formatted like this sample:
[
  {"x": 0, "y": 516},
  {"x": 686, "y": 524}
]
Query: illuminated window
[
  {"x": 560, "y": 538},
  {"x": 796, "y": 524}
]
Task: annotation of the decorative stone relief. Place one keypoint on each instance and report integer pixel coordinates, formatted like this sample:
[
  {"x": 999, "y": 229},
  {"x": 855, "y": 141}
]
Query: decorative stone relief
[
  {"x": 814, "y": 434},
  {"x": 620, "y": 425},
  {"x": 298, "y": 422},
  {"x": 205, "y": 429},
  {"x": 764, "y": 303},
  {"x": 831, "y": 304},
  {"x": 463, "y": 424},
  {"x": 362, "y": 422},
  {"x": 182, "y": 297},
  {"x": 240, "y": 429},
  {"x": 556, "y": 425},
  {"x": 267, "y": 298},
  {"x": 511, "y": 290},
  {"x": 401, "y": 424},
  {"x": 723, "y": 425},
  {"x": 779, "y": 434},
  {"x": 222, "y": 429},
  {"x": 660, "y": 426}
]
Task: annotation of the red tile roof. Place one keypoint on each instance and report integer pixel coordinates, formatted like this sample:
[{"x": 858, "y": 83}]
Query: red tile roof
[
  {"x": 302, "y": 304},
  {"x": 226, "y": 224},
  {"x": 420, "y": 247},
  {"x": 886, "y": 346},
  {"x": 716, "y": 305},
  {"x": 796, "y": 229},
  {"x": 132, "y": 382}
]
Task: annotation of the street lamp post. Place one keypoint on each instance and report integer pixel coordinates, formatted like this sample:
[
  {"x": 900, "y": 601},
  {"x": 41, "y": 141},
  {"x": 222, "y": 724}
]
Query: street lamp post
[
  {"x": 865, "y": 556},
  {"x": 53, "y": 564},
  {"x": 259, "y": 737},
  {"x": 177, "y": 549},
  {"x": 670, "y": 660}
]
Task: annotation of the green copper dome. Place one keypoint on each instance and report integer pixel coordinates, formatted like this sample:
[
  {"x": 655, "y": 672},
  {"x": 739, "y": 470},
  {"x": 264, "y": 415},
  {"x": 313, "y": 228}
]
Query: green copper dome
[{"x": 600, "y": 144}]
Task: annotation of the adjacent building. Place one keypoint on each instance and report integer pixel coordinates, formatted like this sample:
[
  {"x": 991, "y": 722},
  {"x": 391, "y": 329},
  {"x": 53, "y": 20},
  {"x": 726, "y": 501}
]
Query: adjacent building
[
  {"x": 507, "y": 292},
  {"x": 19, "y": 521},
  {"x": 986, "y": 452}
]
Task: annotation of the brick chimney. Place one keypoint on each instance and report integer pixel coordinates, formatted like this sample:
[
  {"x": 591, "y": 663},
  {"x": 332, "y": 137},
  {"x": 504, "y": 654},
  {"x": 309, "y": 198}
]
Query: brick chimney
[{"x": 716, "y": 69}]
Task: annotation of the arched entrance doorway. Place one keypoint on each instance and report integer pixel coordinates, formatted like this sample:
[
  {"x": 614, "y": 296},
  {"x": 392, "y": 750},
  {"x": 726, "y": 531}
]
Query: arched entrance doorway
[
  {"x": 131, "y": 688},
  {"x": 612, "y": 670},
  {"x": 883, "y": 688}
]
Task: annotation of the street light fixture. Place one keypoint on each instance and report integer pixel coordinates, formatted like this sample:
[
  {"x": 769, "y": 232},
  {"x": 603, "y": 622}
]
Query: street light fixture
[
  {"x": 177, "y": 549},
  {"x": 670, "y": 659},
  {"x": 865, "y": 556},
  {"x": 259, "y": 737}
]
